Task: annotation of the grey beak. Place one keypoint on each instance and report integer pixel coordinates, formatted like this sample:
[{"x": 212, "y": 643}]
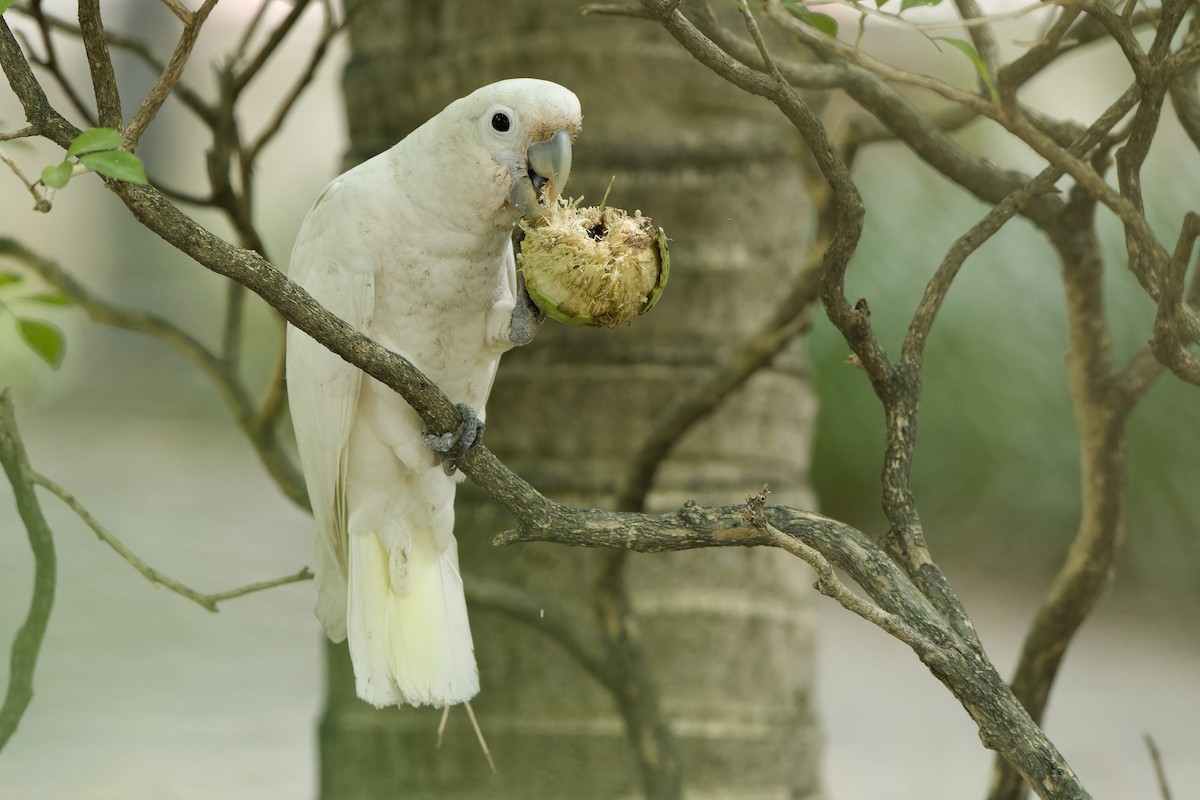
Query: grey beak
[{"x": 551, "y": 160}]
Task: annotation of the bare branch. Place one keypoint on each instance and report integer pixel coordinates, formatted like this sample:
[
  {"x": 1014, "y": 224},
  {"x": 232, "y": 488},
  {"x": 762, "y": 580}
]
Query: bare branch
[
  {"x": 614, "y": 10},
  {"x": 827, "y": 582},
  {"x": 233, "y": 392},
  {"x": 207, "y": 601},
  {"x": 41, "y": 202},
  {"x": 673, "y": 423},
  {"x": 1004, "y": 724},
  {"x": 184, "y": 93},
  {"x": 50, "y": 61},
  {"x": 1160, "y": 773},
  {"x": 634, "y": 688},
  {"x": 28, "y": 642},
  {"x": 178, "y": 9},
  {"x": 275, "y": 398},
  {"x": 260, "y": 13},
  {"x": 1170, "y": 337},
  {"x": 997, "y": 217},
  {"x": 104, "y": 78},
  {"x": 305, "y": 574},
  {"x": 170, "y": 75},
  {"x": 241, "y": 78},
  {"x": 574, "y": 634},
  {"x": 315, "y": 57},
  {"x": 979, "y": 28},
  {"x": 1184, "y": 96}
]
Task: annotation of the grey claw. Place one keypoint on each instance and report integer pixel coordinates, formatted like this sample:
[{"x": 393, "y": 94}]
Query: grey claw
[
  {"x": 527, "y": 318},
  {"x": 453, "y": 446}
]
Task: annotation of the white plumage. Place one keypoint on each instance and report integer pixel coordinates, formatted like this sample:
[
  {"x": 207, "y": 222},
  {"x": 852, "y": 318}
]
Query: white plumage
[{"x": 413, "y": 248}]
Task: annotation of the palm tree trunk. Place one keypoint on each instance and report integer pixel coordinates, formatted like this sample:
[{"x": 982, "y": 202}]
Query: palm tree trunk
[{"x": 702, "y": 661}]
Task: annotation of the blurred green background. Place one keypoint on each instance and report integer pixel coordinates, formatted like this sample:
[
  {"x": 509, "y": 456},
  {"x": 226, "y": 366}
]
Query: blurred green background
[{"x": 996, "y": 474}]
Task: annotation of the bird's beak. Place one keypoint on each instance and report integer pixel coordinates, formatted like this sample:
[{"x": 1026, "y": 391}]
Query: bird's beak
[{"x": 549, "y": 167}]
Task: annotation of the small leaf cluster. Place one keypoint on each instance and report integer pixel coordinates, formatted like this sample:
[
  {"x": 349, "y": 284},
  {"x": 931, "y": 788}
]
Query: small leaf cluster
[
  {"x": 97, "y": 149},
  {"x": 42, "y": 337},
  {"x": 829, "y": 26}
]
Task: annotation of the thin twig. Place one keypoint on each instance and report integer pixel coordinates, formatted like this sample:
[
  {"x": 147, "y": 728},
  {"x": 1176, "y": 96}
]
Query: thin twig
[
  {"x": 178, "y": 9},
  {"x": 303, "y": 80},
  {"x": 997, "y": 217},
  {"x": 979, "y": 28},
  {"x": 20, "y": 133},
  {"x": 972, "y": 21},
  {"x": 169, "y": 76},
  {"x": 40, "y": 202},
  {"x": 1160, "y": 773},
  {"x": 239, "y": 51},
  {"x": 184, "y": 93},
  {"x": 51, "y": 63},
  {"x": 278, "y": 464},
  {"x": 275, "y": 398},
  {"x": 637, "y": 694},
  {"x": 828, "y": 583},
  {"x": 207, "y": 601},
  {"x": 614, "y": 10},
  {"x": 242, "y": 77},
  {"x": 305, "y": 574}
]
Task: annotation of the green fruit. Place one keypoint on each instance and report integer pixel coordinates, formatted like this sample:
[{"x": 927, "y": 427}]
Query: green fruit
[{"x": 593, "y": 267}]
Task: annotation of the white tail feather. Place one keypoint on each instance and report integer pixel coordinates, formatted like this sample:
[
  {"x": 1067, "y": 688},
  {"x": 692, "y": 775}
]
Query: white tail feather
[
  {"x": 330, "y": 580},
  {"x": 411, "y": 646}
]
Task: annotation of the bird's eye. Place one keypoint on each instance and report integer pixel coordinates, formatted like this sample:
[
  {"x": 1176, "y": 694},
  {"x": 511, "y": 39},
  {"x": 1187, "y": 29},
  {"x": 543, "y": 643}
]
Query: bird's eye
[{"x": 501, "y": 122}]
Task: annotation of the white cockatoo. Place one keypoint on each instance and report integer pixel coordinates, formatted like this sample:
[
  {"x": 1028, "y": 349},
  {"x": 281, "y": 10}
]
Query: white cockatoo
[{"x": 413, "y": 248}]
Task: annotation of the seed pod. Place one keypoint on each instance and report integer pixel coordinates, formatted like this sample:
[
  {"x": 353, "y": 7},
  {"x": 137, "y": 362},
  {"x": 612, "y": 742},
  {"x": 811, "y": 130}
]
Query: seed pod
[{"x": 594, "y": 266}]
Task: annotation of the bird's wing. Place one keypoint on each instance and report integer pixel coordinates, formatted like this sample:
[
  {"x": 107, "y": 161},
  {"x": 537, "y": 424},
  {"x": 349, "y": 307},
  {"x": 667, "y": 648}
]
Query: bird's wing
[{"x": 323, "y": 389}]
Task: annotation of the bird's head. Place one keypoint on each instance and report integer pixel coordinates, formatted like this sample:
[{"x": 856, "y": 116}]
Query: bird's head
[{"x": 520, "y": 131}]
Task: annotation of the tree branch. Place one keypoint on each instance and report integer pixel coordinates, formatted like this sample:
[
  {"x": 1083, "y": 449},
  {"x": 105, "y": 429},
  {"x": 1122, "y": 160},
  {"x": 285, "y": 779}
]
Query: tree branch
[
  {"x": 1004, "y": 724},
  {"x": 577, "y": 636},
  {"x": 1164, "y": 789},
  {"x": 1170, "y": 335},
  {"x": 207, "y": 601},
  {"x": 104, "y": 78},
  {"x": 165, "y": 85},
  {"x": 28, "y": 642},
  {"x": 51, "y": 63},
  {"x": 190, "y": 99},
  {"x": 257, "y": 426},
  {"x": 633, "y": 686}
]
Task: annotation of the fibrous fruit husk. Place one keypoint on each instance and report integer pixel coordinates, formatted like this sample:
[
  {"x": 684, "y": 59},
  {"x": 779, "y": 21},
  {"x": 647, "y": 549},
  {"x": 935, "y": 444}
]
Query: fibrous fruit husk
[{"x": 593, "y": 266}]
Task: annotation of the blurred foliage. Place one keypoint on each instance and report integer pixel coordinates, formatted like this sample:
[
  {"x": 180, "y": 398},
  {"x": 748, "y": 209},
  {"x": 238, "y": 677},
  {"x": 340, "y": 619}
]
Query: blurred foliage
[
  {"x": 997, "y": 473},
  {"x": 43, "y": 338}
]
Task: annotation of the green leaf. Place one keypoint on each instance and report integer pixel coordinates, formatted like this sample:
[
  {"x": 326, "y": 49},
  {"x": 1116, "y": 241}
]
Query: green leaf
[
  {"x": 56, "y": 177},
  {"x": 44, "y": 339},
  {"x": 968, "y": 49},
  {"x": 116, "y": 164},
  {"x": 94, "y": 139},
  {"x": 822, "y": 22},
  {"x": 10, "y": 278},
  {"x": 5, "y": 5},
  {"x": 50, "y": 299},
  {"x": 905, "y": 5}
]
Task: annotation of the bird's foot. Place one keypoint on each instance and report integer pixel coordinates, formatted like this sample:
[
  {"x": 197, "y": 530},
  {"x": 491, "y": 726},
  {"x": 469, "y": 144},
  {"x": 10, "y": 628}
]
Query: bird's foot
[
  {"x": 453, "y": 446},
  {"x": 527, "y": 318}
]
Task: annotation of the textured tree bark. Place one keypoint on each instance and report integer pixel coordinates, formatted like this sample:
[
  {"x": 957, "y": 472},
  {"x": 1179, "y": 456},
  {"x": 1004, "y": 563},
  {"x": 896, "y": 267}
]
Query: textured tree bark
[{"x": 706, "y": 656}]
